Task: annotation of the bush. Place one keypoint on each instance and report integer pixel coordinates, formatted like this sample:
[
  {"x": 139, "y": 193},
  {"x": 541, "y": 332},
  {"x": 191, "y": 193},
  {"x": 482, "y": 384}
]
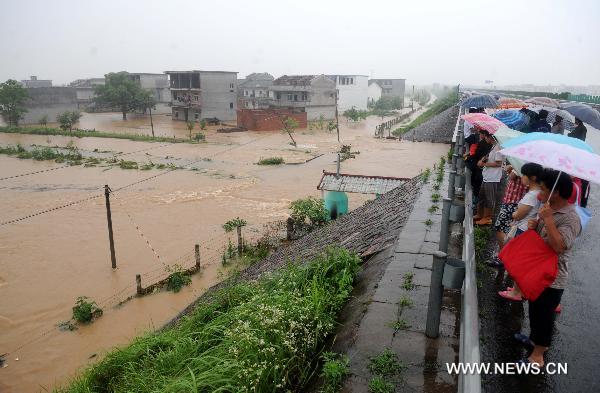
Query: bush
[
  {"x": 128, "y": 164},
  {"x": 310, "y": 211},
  {"x": 86, "y": 310},
  {"x": 200, "y": 137},
  {"x": 178, "y": 278},
  {"x": 271, "y": 161},
  {"x": 260, "y": 336}
]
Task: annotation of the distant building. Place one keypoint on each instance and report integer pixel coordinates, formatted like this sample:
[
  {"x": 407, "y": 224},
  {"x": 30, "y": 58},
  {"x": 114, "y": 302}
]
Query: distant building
[
  {"x": 157, "y": 83},
  {"x": 390, "y": 87},
  {"x": 313, "y": 94},
  {"x": 197, "y": 95},
  {"x": 254, "y": 92},
  {"x": 84, "y": 89},
  {"x": 50, "y": 102},
  {"x": 374, "y": 93},
  {"x": 34, "y": 82},
  {"x": 352, "y": 91}
]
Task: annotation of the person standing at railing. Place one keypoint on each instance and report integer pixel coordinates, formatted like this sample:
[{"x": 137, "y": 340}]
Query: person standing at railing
[
  {"x": 558, "y": 127},
  {"x": 558, "y": 225},
  {"x": 491, "y": 174},
  {"x": 478, "y": 149}
]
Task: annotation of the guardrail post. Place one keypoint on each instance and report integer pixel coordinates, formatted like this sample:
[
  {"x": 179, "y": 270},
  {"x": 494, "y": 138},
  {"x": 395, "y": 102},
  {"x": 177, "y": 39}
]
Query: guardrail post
[
  {"x": 454, "y": 160},
  {"x": 451, "y": 184},
  {"x": 460, "y": 165},
  {"x": 436, "y": 291},
  {"x": 445, "y": 228}
]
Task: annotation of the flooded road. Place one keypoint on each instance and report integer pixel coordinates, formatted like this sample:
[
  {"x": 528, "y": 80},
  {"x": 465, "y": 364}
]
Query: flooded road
[{"x": 49, "y": 260}]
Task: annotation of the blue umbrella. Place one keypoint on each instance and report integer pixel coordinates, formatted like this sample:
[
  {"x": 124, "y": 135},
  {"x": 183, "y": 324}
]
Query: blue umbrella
[
  {"x": 514, "y": 119},
  {"x": 585, "y": 113},
  {"x": 545, "y": 136},
  {"x": 480, "y": 101}
]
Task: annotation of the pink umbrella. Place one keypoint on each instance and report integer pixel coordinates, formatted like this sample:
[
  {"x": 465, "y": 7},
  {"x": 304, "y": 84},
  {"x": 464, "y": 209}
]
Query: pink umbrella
[
  {"x": 543, "y": 101},
  {"x": 483, "y": 121}
]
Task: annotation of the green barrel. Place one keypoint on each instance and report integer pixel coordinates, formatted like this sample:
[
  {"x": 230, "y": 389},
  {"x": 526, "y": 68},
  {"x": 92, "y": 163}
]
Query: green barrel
[{"x": 336, "y": 203}]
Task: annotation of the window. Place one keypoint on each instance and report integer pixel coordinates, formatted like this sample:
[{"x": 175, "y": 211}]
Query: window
[
  {"x": 246, "y": 93},
  {"x": 196, "y": 116},
  {"x": 290, "y": 97},
  {"x": 247, "y": 104},
  {"x": 279, "y": 96},
  {"x": 295, "y": 97},
  {"x": 351, "y": 81},
  {"x": 196, "y": 97},
  {"x": 231, "y": 105},
  {"x": 304, "y": 96},
  {"x": 176, "y": 114},
  {"x": 231, "y": 85}
]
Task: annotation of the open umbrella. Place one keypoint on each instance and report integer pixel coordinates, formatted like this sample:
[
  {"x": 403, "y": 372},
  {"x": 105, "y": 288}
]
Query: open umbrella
[
  {"x": 586, "y": 113},
  {"x": 513, "y": 119},
  {"x": 509, "y": 103},
  {"x": 543, "y": 101},
  {"x": 503, "y": 136},
  {"x": 480, "y": 101},
  {"x": 483, "y": 121},
  {"x": 567, "y": 121},
  {"x": 559, "y": 152}
]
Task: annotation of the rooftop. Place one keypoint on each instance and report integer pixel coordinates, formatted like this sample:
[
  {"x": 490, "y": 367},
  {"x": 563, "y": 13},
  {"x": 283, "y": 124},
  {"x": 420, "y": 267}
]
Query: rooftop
[
  {"x": 359, "y": 183},
  {"x": 196, "y": 71},
  {"x": 294, "y": 80}
]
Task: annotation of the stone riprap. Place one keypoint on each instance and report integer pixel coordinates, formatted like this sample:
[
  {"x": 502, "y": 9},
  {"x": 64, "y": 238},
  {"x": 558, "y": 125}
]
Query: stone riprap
[{"x": 438, "y": 129}]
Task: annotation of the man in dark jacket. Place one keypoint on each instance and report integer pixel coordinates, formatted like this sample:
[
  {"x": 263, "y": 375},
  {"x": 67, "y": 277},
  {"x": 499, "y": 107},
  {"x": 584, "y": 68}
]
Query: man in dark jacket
[
  {"x": 580, "y": 131},
  {"x": 541, "y": 124}
]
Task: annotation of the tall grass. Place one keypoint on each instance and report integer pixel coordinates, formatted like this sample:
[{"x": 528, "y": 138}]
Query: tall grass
[
  {"x": 438, "y": 107},
  {"x": 92, "y": 133},
  {"x": 260, "y": 337}
]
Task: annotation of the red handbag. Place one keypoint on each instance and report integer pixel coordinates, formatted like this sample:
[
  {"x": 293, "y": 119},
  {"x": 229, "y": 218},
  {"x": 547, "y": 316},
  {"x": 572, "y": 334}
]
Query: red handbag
[{"x": 530, "y": 262}]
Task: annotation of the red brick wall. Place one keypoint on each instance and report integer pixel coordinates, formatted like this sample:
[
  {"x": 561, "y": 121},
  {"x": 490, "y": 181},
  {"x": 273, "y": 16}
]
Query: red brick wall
[{"x": 268, "y": 119}]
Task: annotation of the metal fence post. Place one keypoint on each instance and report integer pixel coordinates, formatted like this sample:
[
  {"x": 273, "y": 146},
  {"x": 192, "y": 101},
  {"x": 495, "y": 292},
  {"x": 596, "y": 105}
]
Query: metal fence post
[
  {"x": 451, "y": 184},
  {"x": 436, "y": 291},
  {"x": 444, "y": 230},
  {"x": 197, "y": 255}
]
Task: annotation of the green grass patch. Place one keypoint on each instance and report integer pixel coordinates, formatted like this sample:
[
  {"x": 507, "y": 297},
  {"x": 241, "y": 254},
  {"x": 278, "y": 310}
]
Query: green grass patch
[
  {"x": 271, "y": 161},
  {"x": 86, "y": 310},
  {"x": 385, "y": 364},
  {"x": 178, "y": 278},
  {"x": 438, "y": 107},
  {"x": 262, "y": 336},
  {"x": 91, "y": 133},
  {"x": 433, "y": 208},
  {"x": 408, "y": 281},
  {"x": 123, "y": 164},
  {"x": 435, "y": 197},
  {"x": 426, "y": 174},
  {"x": 335, "y": 369},
  {"x": 379, "y": 385}
]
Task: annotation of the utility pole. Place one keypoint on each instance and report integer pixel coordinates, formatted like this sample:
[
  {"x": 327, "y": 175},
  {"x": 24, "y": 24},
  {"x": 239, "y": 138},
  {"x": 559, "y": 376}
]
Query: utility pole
[
  {"x": 412, "y": 100},
  {"x": 151, "y": 123},
  {"x": 110, "y": 230},
  {"x": 337, "y": 123}
]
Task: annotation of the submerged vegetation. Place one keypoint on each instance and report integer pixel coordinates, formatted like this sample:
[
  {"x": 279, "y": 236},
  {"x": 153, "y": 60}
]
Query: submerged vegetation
[
  {"x": 271, "y": 161},
  {"x": 86, "y": 310},
  {"x": 92, "y": 133},
  {"x": 262, "y": 336}
]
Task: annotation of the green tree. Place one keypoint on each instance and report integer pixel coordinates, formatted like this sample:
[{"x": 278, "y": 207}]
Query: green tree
[
  {"x": 147, "y": 103},
  {"x": 43, "y": 121},
  {"x": 12, "y": 101},
  {"x": 289, "y": 125},
  {"x": 309, "y": 212},
  {"x": 352, "y": 114},
  {"x": 237, "y": 224},
  {"x": 190, "y": 126},
  {"x": 122, "y": 92},
  {"x": 68, "y": 119},
  {"x": 203, "y": 124}
]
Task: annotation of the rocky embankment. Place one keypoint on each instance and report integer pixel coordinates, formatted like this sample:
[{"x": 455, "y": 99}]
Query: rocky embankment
[{"x": 438, "y": 129}]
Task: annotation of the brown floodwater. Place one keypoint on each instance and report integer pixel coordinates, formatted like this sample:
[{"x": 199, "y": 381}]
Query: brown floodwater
[{"x": 47, "y": 261}]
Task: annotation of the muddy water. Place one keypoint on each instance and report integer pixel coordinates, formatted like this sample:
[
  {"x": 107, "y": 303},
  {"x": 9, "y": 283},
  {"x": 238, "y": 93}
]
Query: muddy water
[{"x": 48, "y": 261}]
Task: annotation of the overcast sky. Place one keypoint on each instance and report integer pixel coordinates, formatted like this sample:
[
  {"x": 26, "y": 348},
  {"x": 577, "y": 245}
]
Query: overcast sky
[{"x": 448, "y": 41}]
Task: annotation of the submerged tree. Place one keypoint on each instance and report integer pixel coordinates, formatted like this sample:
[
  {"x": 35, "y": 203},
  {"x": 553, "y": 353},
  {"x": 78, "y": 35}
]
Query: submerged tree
[
  {"x": 68, "y": 119},
  {"x": 237, "y": 224},
  {"x": 289, "y": 125},
  {"x": 190, "y": 126},
  {"x": 122, "y": 92},
  {"x": 12, "y": 101}
]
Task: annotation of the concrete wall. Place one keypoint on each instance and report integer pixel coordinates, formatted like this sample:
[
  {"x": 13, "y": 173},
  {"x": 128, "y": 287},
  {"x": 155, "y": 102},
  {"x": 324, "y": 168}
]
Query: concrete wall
[
  {"x": 219, "y": 95},
  {"x": 49, "y": 101},
  {"x": 314, "y": 113},
  {"x": 268, "y": 119},
  {"x": 374, "y": 92},
  {"x": 158, "y": 84},
  {"x": 353, "y": 95}
]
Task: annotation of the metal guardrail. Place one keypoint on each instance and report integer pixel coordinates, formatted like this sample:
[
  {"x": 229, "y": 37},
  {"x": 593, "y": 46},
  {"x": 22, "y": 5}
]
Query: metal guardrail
[{"x": 469, "y": 322}]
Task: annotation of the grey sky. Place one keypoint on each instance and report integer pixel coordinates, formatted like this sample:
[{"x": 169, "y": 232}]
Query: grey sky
[{"x": 524, "y": 41}]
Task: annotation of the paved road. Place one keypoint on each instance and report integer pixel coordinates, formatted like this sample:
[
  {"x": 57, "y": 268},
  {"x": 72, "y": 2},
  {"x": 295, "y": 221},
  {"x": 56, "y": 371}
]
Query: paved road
[{"x": 577, "y": 334}]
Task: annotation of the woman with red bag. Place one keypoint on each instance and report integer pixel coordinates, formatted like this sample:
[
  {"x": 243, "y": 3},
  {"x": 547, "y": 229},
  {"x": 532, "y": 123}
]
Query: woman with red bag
[{"x": 558, "y": 225}]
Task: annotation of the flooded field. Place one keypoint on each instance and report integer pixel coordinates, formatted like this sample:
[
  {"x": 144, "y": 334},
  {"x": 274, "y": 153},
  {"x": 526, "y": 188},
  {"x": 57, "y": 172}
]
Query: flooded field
[{"x": 47, "y": 261}]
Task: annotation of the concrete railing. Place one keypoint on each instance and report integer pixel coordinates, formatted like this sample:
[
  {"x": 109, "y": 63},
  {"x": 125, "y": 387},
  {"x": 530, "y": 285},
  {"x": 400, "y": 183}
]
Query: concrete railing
[{"x": 469, "y": 322}]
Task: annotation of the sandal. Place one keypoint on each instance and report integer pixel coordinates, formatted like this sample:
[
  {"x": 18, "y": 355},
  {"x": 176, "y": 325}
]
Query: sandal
[
  {"x": 523, "y": 339},
  {"x": 507, "y": 295}
]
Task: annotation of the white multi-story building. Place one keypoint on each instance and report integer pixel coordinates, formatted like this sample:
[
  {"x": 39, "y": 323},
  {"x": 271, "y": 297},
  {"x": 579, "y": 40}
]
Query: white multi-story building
[
  {"x": 374, "y": 93},
  {"x": 313, "y": 94},
  {"x": 352, "y": 91},
  {"x": 254, "y": 92}
]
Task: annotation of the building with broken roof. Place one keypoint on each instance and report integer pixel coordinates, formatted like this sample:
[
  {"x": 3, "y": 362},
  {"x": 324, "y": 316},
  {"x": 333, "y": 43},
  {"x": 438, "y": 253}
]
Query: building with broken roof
[
  {"x": 254, "y": 92},
  {"x": 313, "y": 94},
  {"x": 197, "y": 95}
]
